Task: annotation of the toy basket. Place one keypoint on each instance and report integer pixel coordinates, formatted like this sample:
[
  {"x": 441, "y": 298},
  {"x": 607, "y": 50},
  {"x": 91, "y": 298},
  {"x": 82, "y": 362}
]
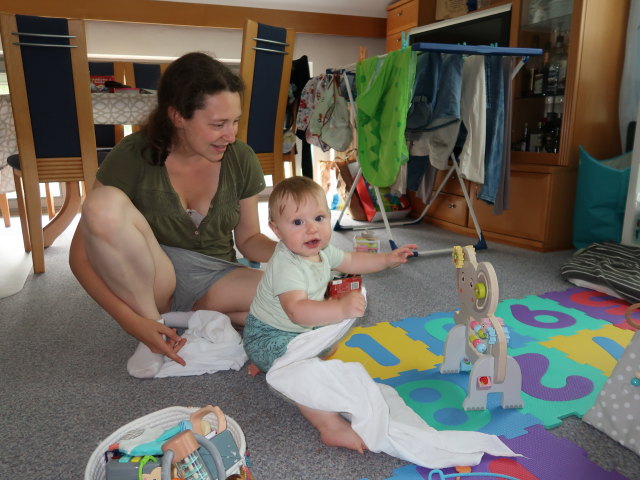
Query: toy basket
[{"x": 165, "y": 418}]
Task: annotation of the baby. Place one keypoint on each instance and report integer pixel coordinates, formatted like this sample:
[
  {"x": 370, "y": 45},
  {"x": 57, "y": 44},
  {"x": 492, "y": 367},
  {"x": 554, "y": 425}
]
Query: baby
[{"x": 290, "y": 299}]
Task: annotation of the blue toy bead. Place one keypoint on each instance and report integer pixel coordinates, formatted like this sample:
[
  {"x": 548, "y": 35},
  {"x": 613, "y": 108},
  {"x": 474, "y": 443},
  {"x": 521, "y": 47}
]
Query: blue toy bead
[{"x": 635, "y": 382}]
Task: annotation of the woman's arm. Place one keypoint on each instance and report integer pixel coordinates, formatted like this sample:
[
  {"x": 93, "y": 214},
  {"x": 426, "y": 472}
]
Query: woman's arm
[{"x": 250, "y": 242}]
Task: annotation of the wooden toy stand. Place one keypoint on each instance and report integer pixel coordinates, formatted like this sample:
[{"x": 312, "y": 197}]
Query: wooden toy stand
[{"x": 478, "y": 341}]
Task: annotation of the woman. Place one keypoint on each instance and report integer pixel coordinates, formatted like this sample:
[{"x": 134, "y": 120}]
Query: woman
[{"x": 157, "y": 231}]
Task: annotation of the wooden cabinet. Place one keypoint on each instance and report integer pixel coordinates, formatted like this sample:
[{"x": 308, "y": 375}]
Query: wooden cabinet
[
  {"x": 403, "y": 15},
  {"x": 542, "y": 183}
]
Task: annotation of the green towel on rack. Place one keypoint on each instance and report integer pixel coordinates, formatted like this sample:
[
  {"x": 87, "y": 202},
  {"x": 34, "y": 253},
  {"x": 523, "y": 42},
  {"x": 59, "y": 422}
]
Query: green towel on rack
[{"x": 384, "y": 86}]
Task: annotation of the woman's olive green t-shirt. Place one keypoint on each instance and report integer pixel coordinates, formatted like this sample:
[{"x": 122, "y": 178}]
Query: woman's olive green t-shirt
[{"x": 128, "y": 168}]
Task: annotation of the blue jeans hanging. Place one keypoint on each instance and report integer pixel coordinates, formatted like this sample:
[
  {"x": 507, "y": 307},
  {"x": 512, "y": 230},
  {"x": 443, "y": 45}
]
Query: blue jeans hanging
[{"x": 494, "y": 145}]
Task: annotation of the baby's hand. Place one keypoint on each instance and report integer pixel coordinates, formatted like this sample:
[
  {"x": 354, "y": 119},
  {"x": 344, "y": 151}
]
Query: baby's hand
[
  {"x": 353, "y": 305},
  {"x": 400, "y": 255}
]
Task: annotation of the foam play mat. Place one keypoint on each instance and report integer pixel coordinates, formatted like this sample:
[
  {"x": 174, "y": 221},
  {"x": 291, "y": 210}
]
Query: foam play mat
[{"x": 566, "y": 344}]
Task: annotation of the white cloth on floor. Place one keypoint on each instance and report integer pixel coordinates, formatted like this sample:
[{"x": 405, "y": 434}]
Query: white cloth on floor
[
  {"x": 376, "y": 411},
  {"x": 212, "y": 345}
]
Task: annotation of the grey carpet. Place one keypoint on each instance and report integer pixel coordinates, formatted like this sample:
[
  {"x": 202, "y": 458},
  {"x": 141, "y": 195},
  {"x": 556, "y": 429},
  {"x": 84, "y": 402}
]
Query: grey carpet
[{"x": 64, "y": 386}]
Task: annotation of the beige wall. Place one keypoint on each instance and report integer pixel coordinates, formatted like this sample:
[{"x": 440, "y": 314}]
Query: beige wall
[{"x": 135, "y": 39}]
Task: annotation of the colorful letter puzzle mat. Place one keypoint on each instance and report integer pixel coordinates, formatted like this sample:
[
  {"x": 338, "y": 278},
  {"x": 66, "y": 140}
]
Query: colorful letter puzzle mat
[{"x": 566, "y": 343}]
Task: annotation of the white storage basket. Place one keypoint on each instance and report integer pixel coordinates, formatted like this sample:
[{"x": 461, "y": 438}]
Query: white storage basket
[{"x": 166, "y": 418}]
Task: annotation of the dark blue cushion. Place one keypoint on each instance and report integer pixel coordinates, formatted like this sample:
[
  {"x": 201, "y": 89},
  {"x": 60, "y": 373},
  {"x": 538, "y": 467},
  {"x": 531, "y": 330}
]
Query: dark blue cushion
[
  {"x": 266, "y": 89},
  {"x": 101, "y": 68},
  {"x": 147, "y": 75},
  {"x": 50, "y": 91}
]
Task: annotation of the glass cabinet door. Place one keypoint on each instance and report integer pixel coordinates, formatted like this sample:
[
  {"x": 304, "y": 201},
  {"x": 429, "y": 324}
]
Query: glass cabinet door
[{"x": 540, "y": 85}]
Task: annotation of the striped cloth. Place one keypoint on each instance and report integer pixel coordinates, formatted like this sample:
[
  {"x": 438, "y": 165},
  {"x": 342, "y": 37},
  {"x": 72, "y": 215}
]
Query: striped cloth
[{"x": 611, "y": 265}]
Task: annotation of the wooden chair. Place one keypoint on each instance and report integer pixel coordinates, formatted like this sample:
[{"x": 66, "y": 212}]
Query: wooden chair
[
  {"x": 144, "y": 75},
  {"x": 48, "y": 76},
  {"x": 265, "y": 68},
  {"x": 4, "y": 210},
  {"x": 107, "y": 136}
]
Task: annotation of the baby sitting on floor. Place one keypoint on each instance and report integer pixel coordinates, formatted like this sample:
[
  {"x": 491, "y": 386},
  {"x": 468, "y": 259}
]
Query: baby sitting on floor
[{"x": 290, "y": 297}]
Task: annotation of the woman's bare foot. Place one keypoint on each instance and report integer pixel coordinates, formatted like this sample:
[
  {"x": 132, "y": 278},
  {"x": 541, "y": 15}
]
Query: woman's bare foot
[{"x": 334, "y": 430}]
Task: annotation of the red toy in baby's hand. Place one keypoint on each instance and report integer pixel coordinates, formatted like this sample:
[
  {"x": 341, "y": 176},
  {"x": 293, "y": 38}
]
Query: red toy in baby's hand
[{"x": 343, "y": 285}]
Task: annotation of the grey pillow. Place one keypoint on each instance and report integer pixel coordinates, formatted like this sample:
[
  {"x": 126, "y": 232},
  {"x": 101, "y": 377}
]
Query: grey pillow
[{"x": 617, "y": 408}]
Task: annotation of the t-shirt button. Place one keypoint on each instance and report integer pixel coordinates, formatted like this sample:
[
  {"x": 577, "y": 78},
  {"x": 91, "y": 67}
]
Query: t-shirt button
[{"x": 197, "y": 232}]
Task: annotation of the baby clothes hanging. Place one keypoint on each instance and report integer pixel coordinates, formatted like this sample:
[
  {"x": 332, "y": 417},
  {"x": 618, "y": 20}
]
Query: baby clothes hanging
[
  {"x": 384, "y": 87},
  {"x": 498, "y": 75},
  {"x": 324, "y": 114}
]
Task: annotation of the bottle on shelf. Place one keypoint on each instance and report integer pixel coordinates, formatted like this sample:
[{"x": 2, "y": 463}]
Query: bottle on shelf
[
  {"x": 556, "y": 72},
  {"x": 529, "y": 81},
  {"x": 540, "y": 82},
  {"x": 533, "y": 68},
  {"x": 552, "y": 133},
  {"x": 524, "y": 141},
  {"x": 562, "y": 54},
  {"x": 535, "y": 139}
]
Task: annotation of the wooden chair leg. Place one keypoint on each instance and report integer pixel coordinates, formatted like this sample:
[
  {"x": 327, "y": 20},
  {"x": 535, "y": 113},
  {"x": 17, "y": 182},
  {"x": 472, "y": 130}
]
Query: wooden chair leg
[
  {"x": 65, "y": 216},
  {"x": 4, "y": 208},
  {"x": 22, "y": 210},
  {"x": 34, "y": 221},
  {"x": 51, "y": 208}
]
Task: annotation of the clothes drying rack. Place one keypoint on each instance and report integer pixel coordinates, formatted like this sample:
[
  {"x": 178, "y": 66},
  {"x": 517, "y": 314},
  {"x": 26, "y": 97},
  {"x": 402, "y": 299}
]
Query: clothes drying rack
[{"x": 481, "y": 244}]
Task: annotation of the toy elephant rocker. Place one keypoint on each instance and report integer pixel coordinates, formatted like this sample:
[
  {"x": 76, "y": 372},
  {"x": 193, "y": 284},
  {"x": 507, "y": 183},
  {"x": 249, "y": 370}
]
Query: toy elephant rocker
[{"x": 478, "y": 340}]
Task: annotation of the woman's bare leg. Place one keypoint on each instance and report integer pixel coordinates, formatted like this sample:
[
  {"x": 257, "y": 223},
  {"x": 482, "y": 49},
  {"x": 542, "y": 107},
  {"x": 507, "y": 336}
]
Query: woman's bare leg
[
  {"x": 232, "y": 294},
  {"x": 124, "y": 252},
  {"x": 334, "y": 430}
]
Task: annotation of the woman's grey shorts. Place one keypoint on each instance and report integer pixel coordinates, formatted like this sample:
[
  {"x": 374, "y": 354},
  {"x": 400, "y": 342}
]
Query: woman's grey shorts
[{"x": 195, "y": 273}]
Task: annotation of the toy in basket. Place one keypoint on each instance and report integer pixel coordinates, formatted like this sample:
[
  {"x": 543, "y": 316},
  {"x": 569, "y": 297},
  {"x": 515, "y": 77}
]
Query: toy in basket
[
  {"x": 135, "y": 451},
  {"x": 478, "y": 341}
]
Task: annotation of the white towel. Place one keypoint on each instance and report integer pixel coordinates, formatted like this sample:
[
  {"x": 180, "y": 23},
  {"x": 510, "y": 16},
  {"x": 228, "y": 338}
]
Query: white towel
[
  {"x": 376, "y": 411},
  {"x": 212, "y": 345}
]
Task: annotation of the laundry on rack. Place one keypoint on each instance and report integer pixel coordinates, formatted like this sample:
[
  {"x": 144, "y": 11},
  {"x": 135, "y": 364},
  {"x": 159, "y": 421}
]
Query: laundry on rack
[
  {"x": 473, "y": 116},
  {"x": 461, "y": 92},
  {"x": 495, "y": 124},
  {"x": 323, "y": 113},
  {"x": 502, "y": 197},
  {"x": 464, "y": 111},
  {"x": 299, "y": 77},
  {"x": 384, "y": 87}
]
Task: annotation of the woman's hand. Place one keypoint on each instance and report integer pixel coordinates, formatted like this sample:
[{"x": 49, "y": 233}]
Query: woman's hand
[{"x": 159, "y": 338}]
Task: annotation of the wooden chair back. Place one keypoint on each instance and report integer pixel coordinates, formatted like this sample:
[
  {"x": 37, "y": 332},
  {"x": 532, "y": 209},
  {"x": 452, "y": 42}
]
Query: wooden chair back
[
  {"x": 107, "y": 136},
  {"x": 48, "y": 77},
  {"x": 144, "y": 75},
  {"x": 265, "y": 68}
]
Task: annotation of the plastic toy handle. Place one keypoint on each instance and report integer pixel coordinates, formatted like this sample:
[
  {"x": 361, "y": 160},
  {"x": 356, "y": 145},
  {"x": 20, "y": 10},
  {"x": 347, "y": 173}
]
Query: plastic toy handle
[
  {"x": 627, "y": 314},
  {"x": 167, "y": 458},
  {"x": 197, "y": 417}
]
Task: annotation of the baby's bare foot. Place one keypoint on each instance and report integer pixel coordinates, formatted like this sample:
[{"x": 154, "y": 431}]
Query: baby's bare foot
[
  {"x": 253, "y": 370},
  {"x": 340, "y": 434}
]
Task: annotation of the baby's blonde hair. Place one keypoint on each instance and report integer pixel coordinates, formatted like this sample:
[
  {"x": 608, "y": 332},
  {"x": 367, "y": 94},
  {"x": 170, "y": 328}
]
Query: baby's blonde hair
[{"x": 296, "y": 189}]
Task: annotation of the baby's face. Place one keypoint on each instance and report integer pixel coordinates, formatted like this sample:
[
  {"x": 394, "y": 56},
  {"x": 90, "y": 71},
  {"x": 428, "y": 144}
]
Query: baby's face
[{"x": 305, "y": 228}]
